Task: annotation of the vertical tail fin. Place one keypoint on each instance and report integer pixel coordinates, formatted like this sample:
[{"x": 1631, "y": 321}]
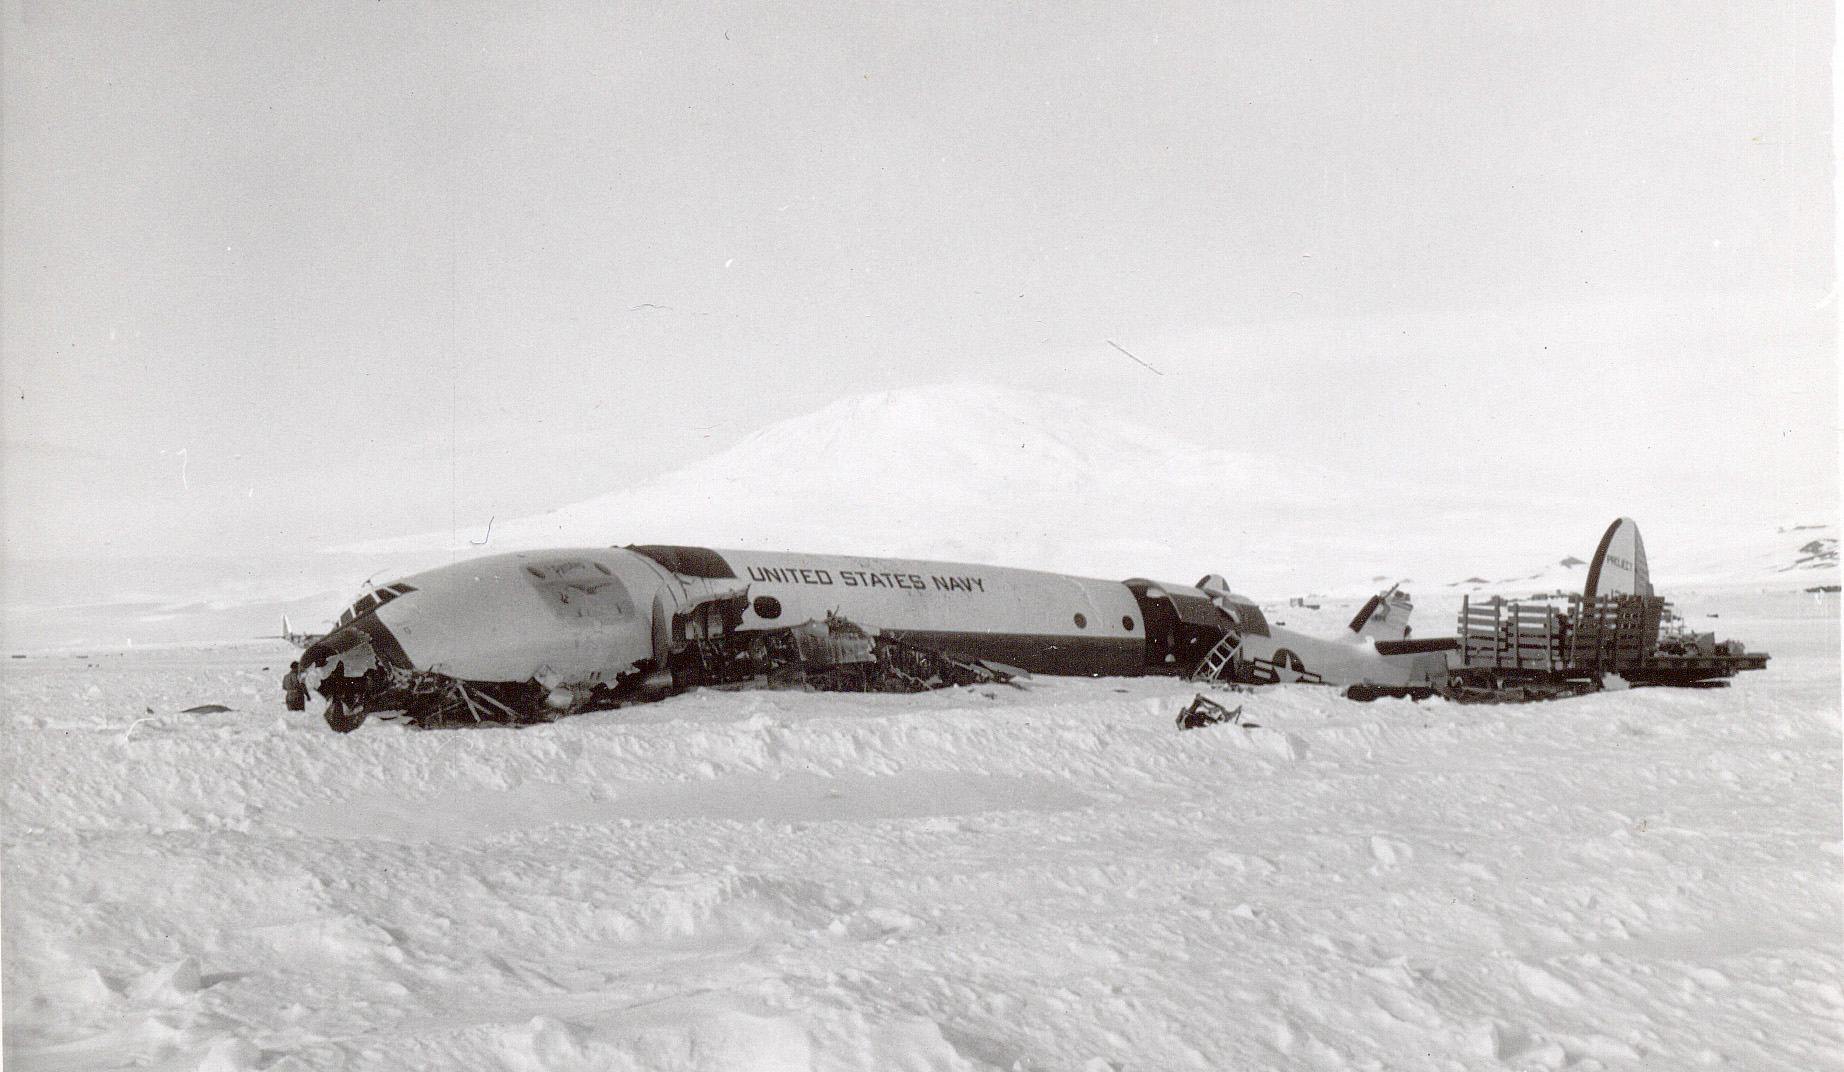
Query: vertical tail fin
[
  {"x": 1619, "y": 566},
  {"x": 1385, "y": 617}
]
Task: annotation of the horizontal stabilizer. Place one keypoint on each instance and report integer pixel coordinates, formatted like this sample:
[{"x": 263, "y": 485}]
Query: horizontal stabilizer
[{"x": 1417, "y": 647}]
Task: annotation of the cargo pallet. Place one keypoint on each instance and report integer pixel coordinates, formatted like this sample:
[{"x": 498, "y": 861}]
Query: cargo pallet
[{"x": 1510, "y": 650}]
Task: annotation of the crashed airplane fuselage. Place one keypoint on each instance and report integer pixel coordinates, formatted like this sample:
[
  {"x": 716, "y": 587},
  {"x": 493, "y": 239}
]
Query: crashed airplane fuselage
[{"x": 530, "y": 635}]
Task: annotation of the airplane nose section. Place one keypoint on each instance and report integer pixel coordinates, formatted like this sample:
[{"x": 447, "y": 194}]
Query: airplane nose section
[
  {"x": 355, "y": 648},
  {"x": 351, "y": 667}
]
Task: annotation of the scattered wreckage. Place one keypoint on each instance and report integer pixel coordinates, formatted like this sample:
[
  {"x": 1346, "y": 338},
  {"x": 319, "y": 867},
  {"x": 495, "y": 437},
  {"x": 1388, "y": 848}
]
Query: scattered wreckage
[
  {"x": 1203, "y": 711},
  {"x": 832, "y": 655},
  {"x": 530, "y": 636}
]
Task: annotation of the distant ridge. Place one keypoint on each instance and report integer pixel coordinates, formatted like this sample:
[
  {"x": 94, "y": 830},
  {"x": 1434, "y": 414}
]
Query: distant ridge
[{"x": 1789, "y": 557}]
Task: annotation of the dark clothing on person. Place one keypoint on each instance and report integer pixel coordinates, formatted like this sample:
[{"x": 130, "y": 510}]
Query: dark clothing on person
[{"x": 293, "y": 690}]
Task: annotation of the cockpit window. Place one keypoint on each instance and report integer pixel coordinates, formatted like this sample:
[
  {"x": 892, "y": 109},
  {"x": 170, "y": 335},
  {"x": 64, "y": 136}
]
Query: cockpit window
[
  {"x": 372, "y": 600},
  {"x": 689, "y": 561}
]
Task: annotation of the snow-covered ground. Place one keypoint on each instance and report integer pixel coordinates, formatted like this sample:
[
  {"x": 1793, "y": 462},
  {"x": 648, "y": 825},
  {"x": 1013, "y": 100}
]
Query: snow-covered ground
[
  {"x": 1052, "y": 878},
  {"x": 1046, "y": 878}
]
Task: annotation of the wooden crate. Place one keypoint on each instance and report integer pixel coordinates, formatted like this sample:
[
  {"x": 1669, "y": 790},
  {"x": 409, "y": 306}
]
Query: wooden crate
[
  {"x": 1611, "y": 632},
  {"x": 1511, "y": 635}
]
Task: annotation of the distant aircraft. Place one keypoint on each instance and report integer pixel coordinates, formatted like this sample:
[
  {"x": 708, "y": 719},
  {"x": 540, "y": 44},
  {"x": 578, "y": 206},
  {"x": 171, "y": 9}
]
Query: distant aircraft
[
  {"x": 299, "y": 640},
  {"x": 527, "y": 636}
]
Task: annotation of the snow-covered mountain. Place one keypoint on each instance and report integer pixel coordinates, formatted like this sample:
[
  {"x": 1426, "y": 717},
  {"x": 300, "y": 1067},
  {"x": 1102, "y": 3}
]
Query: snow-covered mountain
[
  {"x": 955, "y": 471},
  {"x": 973, "y": 472},
  {"x": 1794, "y": 555}
]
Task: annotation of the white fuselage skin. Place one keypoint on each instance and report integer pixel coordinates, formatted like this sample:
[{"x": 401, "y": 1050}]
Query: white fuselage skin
[
  {"x": 586, "y": 617},
  {"x": 1286, "y": 656}
]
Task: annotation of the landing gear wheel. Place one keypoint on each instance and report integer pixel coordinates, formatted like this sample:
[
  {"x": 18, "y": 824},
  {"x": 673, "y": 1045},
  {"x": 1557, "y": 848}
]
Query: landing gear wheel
[{"x": 344, "y": 719}]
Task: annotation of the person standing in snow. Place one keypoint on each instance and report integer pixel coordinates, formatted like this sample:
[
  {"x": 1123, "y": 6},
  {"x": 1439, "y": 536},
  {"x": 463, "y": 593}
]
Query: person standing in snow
[{"x": 292, "y": 688}]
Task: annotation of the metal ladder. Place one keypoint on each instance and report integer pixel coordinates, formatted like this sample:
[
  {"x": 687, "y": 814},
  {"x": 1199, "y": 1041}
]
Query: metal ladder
[{"x": 1220, "y": 658}]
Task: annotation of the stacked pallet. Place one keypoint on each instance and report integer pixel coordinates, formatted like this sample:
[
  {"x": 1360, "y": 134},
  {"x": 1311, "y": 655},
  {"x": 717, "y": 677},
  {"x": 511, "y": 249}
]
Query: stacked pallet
[
  {"x": 1615, "y": 632},
  {"x": 1511, "y": 636}
]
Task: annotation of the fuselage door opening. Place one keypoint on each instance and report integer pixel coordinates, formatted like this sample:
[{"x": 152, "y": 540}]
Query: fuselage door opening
[{"x": 1182, "y": 625}]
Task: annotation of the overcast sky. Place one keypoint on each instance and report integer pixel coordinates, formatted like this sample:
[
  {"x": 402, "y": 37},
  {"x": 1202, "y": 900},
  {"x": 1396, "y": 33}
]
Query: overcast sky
[{"x": 281, "y": 276}]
